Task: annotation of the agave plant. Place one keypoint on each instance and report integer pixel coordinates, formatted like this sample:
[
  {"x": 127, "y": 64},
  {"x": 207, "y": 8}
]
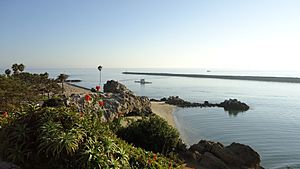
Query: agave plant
[{"x": 61, "y": 138}]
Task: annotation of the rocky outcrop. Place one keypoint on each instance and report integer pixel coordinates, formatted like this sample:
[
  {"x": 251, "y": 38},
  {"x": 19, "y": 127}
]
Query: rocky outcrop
[
  {"x": 177, "y": 101},
  {"x": 112, "y": 86},
  {"x": 230, "y": 105},
  {"x": 119, "y": 99},
  {"x": 234, "y": 105},
  {"x": 213, "y": 155}
]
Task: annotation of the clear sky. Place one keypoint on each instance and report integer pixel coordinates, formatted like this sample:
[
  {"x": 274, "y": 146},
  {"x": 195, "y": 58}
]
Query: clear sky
[{"x": 224, "y": 34}]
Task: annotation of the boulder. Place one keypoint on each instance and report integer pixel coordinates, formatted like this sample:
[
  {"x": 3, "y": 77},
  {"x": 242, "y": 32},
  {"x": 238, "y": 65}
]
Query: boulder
[
  {"x": 234, "y": 105},
  {"x": 209, "y": 161},
  {"x": 213, "y": 155},
  {"x": 118, "y": 101},
  {"x": 112, "y": 86},
  {"x": 175, "y": 100},
  {"x": 249, "y": 157}
]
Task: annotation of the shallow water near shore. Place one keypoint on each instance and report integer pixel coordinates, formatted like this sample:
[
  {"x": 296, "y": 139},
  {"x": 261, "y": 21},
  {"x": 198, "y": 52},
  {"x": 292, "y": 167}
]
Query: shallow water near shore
[{"x": 271, "y": 126}]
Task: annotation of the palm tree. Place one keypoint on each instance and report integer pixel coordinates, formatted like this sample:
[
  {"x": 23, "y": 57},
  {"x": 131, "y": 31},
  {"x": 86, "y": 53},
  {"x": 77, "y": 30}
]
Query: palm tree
[
  {"x": 15, "y": 68},
  {"x": 7, "y": 72},
  {"x": 21, "y": 67},
  {"x": 62, "y": 78}
]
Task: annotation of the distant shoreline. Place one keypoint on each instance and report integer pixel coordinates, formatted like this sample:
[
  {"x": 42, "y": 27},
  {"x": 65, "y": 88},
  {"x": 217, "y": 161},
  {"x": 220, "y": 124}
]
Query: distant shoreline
[{"x": 228, "y": 77}]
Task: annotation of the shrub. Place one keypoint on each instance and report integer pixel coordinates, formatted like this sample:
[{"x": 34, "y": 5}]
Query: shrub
[
  {"x": 61, "y": 138},
  {"x": 151, "y": 133}
]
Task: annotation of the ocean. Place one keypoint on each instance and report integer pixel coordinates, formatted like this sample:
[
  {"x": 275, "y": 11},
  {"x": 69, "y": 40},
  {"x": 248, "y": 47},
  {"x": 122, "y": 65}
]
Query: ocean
[{"x": 271, "y": 126}]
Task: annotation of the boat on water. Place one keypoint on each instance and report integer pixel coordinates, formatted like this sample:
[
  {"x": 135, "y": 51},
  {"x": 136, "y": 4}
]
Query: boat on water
[{"x": 142, "y": 81}]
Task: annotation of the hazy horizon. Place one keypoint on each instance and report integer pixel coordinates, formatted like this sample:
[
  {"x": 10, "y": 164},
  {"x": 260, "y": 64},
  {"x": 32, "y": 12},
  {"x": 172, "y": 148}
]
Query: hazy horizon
[{"x": 224, "y": 35}]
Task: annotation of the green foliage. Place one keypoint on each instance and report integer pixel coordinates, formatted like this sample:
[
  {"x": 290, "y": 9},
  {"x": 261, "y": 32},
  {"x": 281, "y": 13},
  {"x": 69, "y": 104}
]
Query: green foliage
[
  {"x": 61, "y": 138},
  {"x": 23, "y": 88},
  {"x": 21, "y": 67},
  {"x": 7, "y": 72},
  {"x": 13, "y": 92},
  {"x": 151, "y": 133},
  {"x": 15, "y": 68}
]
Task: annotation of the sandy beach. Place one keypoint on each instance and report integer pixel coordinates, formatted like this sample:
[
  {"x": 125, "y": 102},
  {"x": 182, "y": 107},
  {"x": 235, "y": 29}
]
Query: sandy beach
[{"x": 165, "y": 111}]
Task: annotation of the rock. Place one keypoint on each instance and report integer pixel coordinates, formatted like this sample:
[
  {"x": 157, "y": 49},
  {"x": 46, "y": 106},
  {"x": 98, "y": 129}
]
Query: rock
[
  {"x": 209, "y": 161},
  {"x": 154, "y": 100},
  {"x": 163, "y": 99},
  {"x": 118, "y": 101},
  {"x": 175, "y": 100},
  {"x": 112, "y": 86},
  {"x": 234, "y": 105},
  {"x": 249, "y": 157},
  {"x": 213, "y": 155}
]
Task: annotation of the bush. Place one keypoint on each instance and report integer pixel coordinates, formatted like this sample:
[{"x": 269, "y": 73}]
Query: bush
[
  {"x": 151, "y": 133},
  {"x": 62, "y": 138}
]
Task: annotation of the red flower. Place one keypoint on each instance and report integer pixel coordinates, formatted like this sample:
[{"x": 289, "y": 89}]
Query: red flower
[
  {"x": 87, "y": 98},
  {"x": 5, "y": 114},
  {"x": 101, "y": 103},
  {"x": 98, "y": 88},
  {"x": 154, "y": 157}
]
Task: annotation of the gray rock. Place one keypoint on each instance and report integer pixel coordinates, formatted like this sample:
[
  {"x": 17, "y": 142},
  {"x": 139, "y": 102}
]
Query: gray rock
[{"x": 118, "y": 100}]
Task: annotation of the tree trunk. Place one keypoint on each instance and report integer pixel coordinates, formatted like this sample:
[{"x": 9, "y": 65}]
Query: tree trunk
[{"x": 62, "y": 85}]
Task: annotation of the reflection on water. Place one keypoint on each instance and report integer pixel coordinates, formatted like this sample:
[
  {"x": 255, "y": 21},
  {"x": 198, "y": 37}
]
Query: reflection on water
[{"x": 234, "y": 113}]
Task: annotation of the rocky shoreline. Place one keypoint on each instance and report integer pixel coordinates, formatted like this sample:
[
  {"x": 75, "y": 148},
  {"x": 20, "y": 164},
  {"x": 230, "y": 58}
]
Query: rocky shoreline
[
  {"x": 205, "y": 154},
  {"x": 228, "y": 105}
]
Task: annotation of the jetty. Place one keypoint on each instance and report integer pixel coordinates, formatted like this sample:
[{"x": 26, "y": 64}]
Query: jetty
[{"x": 228, "y": 77}]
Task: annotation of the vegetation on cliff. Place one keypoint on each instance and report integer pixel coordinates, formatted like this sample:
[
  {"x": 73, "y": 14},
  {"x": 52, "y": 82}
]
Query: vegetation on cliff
[{"x": 35, "y": 136}]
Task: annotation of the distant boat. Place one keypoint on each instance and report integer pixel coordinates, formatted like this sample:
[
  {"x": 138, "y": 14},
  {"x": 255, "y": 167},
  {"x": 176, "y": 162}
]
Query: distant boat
[
  {"x": 208, "y": 71},
  {"x": 142, "y": 81}
]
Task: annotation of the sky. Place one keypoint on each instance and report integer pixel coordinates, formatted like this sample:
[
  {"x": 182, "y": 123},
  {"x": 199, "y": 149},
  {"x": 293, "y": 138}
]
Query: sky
[{"x": 215, "y": 34}]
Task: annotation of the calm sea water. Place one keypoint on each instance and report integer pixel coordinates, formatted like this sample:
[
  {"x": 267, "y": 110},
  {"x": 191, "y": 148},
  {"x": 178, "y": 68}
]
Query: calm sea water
[{"x": 271, "y": 126}]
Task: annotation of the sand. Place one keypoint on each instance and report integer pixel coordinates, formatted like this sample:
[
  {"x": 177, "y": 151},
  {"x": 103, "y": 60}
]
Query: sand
[
  {"x": 165, "y": 111},
  {"x": 73, "y": 89},
  {"x": 161, "y": 109}
]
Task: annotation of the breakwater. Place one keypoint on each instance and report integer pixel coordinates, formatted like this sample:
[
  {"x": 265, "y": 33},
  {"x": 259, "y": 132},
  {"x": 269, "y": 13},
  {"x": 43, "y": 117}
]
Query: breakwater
[{"x": 252, "y": 78}]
